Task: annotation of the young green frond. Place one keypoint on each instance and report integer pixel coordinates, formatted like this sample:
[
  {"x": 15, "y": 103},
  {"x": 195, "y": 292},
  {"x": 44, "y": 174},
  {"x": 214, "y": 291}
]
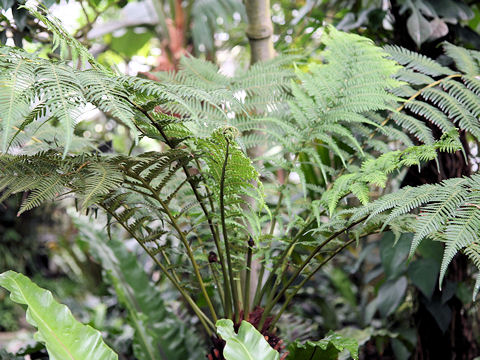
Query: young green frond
[
  {"x": 375, "y": 171},
  {"x": 239, "y": 176}
]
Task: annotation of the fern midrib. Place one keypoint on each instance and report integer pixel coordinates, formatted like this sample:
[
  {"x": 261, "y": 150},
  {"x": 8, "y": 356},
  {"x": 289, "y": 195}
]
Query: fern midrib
[
  {"x": 68, "y": 138},
  {"x": 454, "y": 247},
  {"x": 35, "y": 197},
  {"x": 8, "y": 119},
  {"x": 97, "y": 186},
  {"x": 431, "y": 219},
  {"x": 414, "y": 96}
]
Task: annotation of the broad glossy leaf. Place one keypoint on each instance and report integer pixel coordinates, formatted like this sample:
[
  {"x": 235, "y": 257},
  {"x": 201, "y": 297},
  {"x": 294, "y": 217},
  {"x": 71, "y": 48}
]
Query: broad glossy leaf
[
  {"x": 329, "y": 348},
  {"x": 64, "y": 337},
  {"x": 248, "y": 344}
]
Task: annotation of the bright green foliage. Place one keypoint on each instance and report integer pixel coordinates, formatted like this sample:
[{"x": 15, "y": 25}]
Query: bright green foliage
[
  {"x": 338, "y": 128},
  {"x": 375, "y": 171},
  {"x": 328, "y": 348},
  {"x": 258, "y": 90},
  {"x": 231, "y": 173},
  {"x": 454, "y": 99},
  {"x": 64, "y": 337},
  {"x": 334, "y": 100},
  {"x": 247, "y": 344}
]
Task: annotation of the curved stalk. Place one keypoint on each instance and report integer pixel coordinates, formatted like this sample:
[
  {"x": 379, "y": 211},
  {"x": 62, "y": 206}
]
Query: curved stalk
[
  {"x": 184, "y": 241},
  {"x": 207, "y": 324},
  {"x": 260, "y": 291},
  {"x": 225, "y": 234},
  {"x": 282, "y": 263},
  {"x": 304, "y": 264},
  {"x": 248, "y": 274},
  {"x": 308, "y": 277},
  {"x": 215, "y": 235}
]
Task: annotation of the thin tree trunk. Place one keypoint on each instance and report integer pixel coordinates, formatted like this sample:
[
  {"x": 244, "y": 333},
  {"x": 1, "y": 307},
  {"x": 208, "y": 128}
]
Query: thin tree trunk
[
  {"x": 259, "y": 30},
  {"x": 259, "y": 33}
]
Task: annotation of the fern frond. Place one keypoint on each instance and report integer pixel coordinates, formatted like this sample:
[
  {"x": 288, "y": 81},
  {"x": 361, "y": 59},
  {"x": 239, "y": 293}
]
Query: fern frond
[
  {"x": 463, "y": 58},
  {"x": 418, "y": 62},
  {"x": 16, "y": 82},
  {"x": 449, "y": 211},
  {"x": 68, "y": 46}
]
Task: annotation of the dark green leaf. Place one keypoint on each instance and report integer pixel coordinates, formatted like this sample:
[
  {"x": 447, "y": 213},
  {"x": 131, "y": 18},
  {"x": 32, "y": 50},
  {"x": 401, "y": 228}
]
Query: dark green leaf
[
  {"x": 6, "y": 4},
  {"x": 20, "y": 17},
  {"x": 328, "y": 348},
  {"x": 440, "y": 312},
  {"x": 390, "y": 295},
  {"x": 394, "y": 255},
  {"x": 343, "y": 284},
  {"x": 424, "y": 275}
]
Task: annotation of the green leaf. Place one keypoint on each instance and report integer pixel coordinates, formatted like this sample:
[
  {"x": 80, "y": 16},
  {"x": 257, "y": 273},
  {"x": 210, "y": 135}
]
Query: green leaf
[
  {"x": 393, "y": 254},
  {"x": 329, "y": 348},
  {"x": 390, "y": 295},
  {"x": 423, "y": 274},
  {"x": 344, "y": 286},
  {"x": 64, "y": 337},
  {"x": 130, "y": 43},
  {"x": 248, "y": 344}
]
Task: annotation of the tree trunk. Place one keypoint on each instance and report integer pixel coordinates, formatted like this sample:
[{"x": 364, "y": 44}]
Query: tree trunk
[
  {"x": 259, "y": 33},
  {"x": 259, "y": 30}
]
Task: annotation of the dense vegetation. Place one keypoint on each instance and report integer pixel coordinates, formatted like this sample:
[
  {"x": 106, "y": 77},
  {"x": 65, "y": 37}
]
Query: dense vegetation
[{"x": 258, "y": 183}]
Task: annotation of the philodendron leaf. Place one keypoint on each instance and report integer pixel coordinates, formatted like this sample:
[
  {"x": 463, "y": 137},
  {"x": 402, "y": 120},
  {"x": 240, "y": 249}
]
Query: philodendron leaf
[
  {"x": 64, "y": 337},
  {"x": 329, "y": 348},
  {"x": 248, "y": 344}
]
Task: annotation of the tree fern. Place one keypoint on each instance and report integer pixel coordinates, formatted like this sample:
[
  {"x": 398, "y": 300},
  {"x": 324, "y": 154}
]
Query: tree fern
[{"x": 333, "y": 128}]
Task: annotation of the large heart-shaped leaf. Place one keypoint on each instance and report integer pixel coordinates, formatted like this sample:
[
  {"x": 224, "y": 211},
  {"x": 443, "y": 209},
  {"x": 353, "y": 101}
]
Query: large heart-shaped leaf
[
  {"x": 248, "y": 344},
  {"x": 64, "y": 337}
]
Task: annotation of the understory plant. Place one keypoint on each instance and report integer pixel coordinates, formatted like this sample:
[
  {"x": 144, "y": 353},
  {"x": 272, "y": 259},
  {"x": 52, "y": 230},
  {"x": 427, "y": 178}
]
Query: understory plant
[{"x": 332, "y": 139}]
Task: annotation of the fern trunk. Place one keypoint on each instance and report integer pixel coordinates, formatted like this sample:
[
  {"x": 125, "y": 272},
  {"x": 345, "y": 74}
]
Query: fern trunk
[{"x": 260, "y": 30}]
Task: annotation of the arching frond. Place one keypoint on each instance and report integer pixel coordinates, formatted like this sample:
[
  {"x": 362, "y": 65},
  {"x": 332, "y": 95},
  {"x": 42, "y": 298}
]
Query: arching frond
[{"x": 449, "y": 211}]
